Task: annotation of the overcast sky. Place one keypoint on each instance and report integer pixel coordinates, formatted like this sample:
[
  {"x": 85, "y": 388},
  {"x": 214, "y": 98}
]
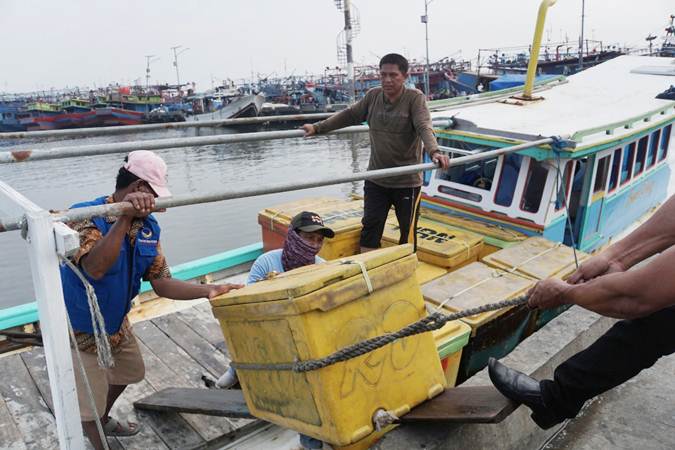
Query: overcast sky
[{"x": 61, "y": 43}]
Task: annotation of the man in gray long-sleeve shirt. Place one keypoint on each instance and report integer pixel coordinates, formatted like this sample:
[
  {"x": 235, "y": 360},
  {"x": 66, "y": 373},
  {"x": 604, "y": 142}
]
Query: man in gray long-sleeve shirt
[{"x": 399, "y": 122}]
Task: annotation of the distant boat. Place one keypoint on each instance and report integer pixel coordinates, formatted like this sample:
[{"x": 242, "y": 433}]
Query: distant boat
[{"x": 245, "y": 106}]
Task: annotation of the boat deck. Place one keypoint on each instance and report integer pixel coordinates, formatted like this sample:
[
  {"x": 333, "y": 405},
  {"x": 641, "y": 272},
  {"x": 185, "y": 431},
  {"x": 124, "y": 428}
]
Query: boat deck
[{"x": 177, "y": 348}]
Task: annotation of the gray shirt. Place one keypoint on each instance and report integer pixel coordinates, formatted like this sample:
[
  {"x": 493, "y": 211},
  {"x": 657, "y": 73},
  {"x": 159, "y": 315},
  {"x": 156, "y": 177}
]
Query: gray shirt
[{"x": 397, "y": 131}]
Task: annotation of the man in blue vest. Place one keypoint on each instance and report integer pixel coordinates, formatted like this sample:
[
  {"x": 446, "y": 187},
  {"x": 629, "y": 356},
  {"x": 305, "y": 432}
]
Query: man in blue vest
[{"x": 115, "y": 254}]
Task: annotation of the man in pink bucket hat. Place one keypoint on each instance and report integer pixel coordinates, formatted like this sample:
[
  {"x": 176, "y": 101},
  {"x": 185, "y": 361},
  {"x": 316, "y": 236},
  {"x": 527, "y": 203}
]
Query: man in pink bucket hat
[{"x": 115, "y": 255}]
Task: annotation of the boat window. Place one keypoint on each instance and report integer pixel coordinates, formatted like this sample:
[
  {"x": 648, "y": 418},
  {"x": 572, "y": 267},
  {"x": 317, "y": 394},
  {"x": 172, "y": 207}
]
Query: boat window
[
  {"x": 616, "y": 164},
  {"x": 564, "y": 186},
  {"x": 653, "y": 146},
  {"x": 478, "y": 174},
  {"x": 601, "y": 175},
  {"x": 508, "y": 178},
  {"x": 460, "y": 144},
  {"x": 627, "y": 163},
  {"x": 641, "y": 153},
  {"x": 460, "y": 193},
  {"x": 534, "y": 187},
  {"x": 665, "y": 139}
]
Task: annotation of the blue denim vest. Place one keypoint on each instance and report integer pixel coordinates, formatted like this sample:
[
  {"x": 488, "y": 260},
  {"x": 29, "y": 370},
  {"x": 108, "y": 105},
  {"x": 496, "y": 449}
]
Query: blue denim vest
[{"x": 119, "y": 285}]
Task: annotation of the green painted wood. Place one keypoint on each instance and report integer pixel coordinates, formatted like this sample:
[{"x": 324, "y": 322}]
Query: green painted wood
[
  {"x": 214, "y": 263},
  {"x": 28, "y": 312},
  {"x": 18, "y": 315}
]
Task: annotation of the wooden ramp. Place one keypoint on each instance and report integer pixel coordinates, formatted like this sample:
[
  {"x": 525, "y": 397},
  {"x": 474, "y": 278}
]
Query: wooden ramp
[
  {"x": 472, "y": 404},
  {"x": 211, "y": 402}
]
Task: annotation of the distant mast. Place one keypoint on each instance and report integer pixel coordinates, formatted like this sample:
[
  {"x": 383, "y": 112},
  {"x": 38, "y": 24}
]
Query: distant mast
[
  {"x": 344, "y": 41},
  {"x": 350, "y": 55},
  {"x": 581, "y": 37}
]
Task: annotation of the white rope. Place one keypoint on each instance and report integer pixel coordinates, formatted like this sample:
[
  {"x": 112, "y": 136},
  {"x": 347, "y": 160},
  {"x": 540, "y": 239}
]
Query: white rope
[
  {"x": 383, "y": 418},
  {"x": 364, "y": 271},
  {"x": 496, "y": 274},
  {"x": 90, "y": 393},
  {"x": 103, "y": 351}
]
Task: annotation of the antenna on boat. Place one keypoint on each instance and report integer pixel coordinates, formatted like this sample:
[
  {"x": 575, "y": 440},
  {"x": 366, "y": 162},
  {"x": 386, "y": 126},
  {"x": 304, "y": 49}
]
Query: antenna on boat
[
  {"x": 148, "y": 60},
  {"x": 175, "y": 62},
  {"x": 581, "y": 37},
  {"x": 425, "y": 21},
  {"x": 345, "y": 38}
]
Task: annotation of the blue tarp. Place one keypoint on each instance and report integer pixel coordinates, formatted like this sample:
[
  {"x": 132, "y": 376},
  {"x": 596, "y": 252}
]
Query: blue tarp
[{"x": 511, "y": 80}]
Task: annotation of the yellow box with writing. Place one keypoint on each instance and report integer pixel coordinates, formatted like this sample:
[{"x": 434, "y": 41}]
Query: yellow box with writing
[
  {"x": 342, "y": 215},
  {"x": 537, "y": 258},
  {"x": 437, "y": 244},
  {"x": 313, "y": 311}
]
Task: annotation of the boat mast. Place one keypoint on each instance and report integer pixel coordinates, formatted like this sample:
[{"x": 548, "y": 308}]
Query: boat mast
[
  {"x": 425, "y": 21},
  {"x": 350, "y": 56},
  {"x": 581, "y": 37},
  {"x": 175, "y": 63},
  {"x": 148, "y": 60}
]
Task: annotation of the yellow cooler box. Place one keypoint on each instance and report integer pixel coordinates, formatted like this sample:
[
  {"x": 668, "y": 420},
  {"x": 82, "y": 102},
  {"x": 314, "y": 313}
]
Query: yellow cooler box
[
  {"x": 450, "y": 340},
  {"x": 427, "y": 272},
  {"x": 437, "y": 244},
  {"x": 538, "y": 258},
  {"x": 341, "y": 215},
  {"x": 313, "y": 311},
  {"x": 493, "y": 333},
  {"x": 495, "y": 237}
]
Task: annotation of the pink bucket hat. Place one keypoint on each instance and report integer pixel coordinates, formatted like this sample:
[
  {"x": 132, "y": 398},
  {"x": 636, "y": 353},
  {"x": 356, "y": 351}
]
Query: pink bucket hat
[{"x": 149, "y": 167}]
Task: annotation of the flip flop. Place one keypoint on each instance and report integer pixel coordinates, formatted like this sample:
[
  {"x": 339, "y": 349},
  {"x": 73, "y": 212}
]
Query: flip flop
[{"x": 116, "y": 428}]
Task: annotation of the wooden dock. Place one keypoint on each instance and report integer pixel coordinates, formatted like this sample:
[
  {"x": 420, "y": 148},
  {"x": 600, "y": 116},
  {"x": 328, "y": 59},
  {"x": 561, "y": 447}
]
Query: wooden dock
[{"x": 178, "y": 348}]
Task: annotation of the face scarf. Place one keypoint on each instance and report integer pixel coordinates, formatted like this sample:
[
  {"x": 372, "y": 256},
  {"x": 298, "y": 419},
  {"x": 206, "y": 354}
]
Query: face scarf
[{"x": 298, "y": 252}]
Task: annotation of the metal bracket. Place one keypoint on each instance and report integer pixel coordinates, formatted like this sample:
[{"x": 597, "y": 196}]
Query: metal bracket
[{"x": 67, "y": 239}]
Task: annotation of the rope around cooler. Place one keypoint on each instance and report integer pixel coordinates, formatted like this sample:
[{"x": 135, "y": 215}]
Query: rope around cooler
[{"x": 430, "y": 323}]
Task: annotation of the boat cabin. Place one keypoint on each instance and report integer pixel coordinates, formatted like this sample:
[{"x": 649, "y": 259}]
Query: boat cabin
[{"x": 610, "y": 174}]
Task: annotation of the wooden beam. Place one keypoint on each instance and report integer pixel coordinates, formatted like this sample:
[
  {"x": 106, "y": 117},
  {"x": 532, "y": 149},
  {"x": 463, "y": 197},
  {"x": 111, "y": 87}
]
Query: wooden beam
[
  {"x": 211, "y": 402},
  {"x": 471, "y": 404}
]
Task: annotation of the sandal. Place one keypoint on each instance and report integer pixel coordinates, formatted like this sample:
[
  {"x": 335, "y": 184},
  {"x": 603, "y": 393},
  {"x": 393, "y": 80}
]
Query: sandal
[{"x": 114, "y": 427}]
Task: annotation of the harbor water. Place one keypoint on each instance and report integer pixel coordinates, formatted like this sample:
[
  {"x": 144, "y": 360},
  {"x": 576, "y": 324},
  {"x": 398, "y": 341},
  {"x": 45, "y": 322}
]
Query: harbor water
[{"x": 189, "y": 232}]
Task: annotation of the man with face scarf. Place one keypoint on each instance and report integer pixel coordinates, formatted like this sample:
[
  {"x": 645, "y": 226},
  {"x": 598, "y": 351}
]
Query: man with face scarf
[{"x": 303, "y": 241}]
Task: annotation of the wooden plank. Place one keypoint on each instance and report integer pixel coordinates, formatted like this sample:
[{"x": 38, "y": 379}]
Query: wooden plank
[
  {"x": 36, "y": 364},
  {"x": 24, "y": 403},
  {"x": 198, "y": 348},
  {"x": 10, "y": 437},
  {"x": 205, "y": 325},
  {"x": 167, "y": 365},
  {"x": 212, "y": 402},
  {"x": 471, "y": 404}
]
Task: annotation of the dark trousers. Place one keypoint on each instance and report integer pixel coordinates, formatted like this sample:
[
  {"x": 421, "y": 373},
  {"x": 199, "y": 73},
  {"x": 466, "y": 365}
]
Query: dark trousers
[
  {"x": 621, "y": 353},
  {"x": 377, "y": 201}
]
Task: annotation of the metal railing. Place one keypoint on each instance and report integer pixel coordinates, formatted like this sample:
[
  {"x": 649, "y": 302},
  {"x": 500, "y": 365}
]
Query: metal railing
[
  {"x": 117, "y": 209},
  {"x": 21, "y": 155},
  {"x": 126, "y": 129}
]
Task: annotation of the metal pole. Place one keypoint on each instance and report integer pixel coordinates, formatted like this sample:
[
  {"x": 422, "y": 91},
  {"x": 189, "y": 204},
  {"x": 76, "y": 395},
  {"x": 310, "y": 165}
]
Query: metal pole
[
  {"x": 581, "y": 38},
  {"x": 117, "y": 209},
  {"x": 158, "y": 144},
  {"x": 536, "y": 46},
  {"x": 44, "y": 264},
  {"x": 175, "y": 64},
  {"x": 350, "y": 55},
  {"x": 148, "y": 60},
  {"x": 426, "y": 32},
  {"x": 126, "y": 129}
]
